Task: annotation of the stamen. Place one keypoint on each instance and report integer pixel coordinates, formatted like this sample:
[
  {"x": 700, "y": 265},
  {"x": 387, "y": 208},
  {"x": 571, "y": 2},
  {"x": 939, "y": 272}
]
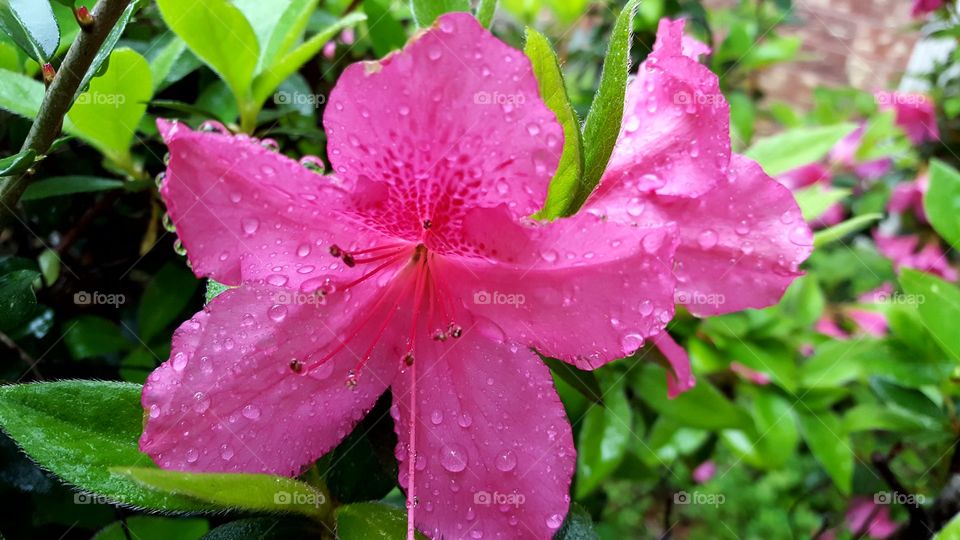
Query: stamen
[
  {"x": 427, "y": 224},
  {"x": 296, "y": 366},
  {"x": 373, "y": 272}
]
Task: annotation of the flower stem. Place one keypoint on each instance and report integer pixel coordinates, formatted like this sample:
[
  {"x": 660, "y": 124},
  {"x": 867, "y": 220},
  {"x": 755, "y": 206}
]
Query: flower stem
[{"x": 60, "y": 94}]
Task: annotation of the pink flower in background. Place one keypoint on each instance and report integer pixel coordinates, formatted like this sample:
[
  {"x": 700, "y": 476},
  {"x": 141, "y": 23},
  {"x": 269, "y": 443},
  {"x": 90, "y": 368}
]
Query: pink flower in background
[
  {"x": 844, "y": 154},
  {"x": 915, "y": 114},
  {"x": 908, "y": 196},
  {"x": 750, "y": 374},
  {"x": 923, "y": 7},
  {"x": 809, "y": 175},
  {"x": 704, "y": 472},
  {"x": 415, "y": 268},
  {"x": 902, "y": 250},
  {"x": 741, "y": 235},
  {"x": 329, "y": 49},
  {"x": 866, "y": 516}
]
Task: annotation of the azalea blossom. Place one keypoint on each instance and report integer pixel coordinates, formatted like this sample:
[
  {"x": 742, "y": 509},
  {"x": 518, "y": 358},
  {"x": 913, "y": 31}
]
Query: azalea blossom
[
  {"x": 908, "y": 196},
  {"x": 923, "y": 7},
  {"x": 904, "y": 253},
  {"x": 914, "y": 113},
  {"x": 704, "y": 472},
  {"x": 741, "y": 235},
  {"x": 414, "y": 267},
  {"x": 806, "y": 176},
  {"x": 844, "y": 154}
]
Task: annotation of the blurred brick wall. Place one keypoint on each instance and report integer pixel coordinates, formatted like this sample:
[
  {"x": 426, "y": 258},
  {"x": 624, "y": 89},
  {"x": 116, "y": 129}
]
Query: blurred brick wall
[{"x": 860, "y": 43}]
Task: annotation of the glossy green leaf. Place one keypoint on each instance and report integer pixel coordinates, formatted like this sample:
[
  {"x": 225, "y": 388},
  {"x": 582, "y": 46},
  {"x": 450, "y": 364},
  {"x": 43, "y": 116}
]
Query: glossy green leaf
[
  {"x": 20, "y": 94},
  {"x": 702, "y": 407},
  {"x": 486, "y": 9},
  {"x": 108, "y": 113},
  {"x": 77, "y": 430},
  {"x": 17, "y": 300},
  {"x": 605, "y": 436},
  {"x": 213, "y": 290},
  {"x": 565, "y": 187},
  {"x": 154, "y": 528},
  {"x": 939, "y": 306},
  {"x": 869, "y": 417},
  {"x": 777, "y": 429},
  {"x": 165, "y": 297},
  {"x": 950, "y": 531},
  {"x": 577, "y": 526},
  {"x": 372, "y": 521},
  {"x": 582, "y": 381},
  {"x": 90, "y": 336},
  {"x": 942, "y": 201},
  {"x": 815, "y": 200},
  {"x": 283, "y": 528},
  {"x": 602, "y": 126},
  {"x": 32, "y": 26},
  {"x": 107, "y": 47},
  {"x": 17, "y": 163},
  {"x": 839, "y": 231},
  {"x": 389, "y": 34},
  {"x": 799, "y": 146},
  {"x": 219, "y": 34},
  {"x": 69, "y": 185},
  {"x": 253, "y": 492},
  {"x": 830, "y": 445},
  {"x": 427, "y": 11},
  {"x": 285, "y": 32}
]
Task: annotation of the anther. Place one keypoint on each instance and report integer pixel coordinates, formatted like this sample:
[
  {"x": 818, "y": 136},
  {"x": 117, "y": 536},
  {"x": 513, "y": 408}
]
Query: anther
[
  {"x": 351, "y": 380},
  {"x": 336, "y": 251},
  {"x": 348, "y": 260},
  {"x": 439, "y": 335},
  {"x": 408, "y": 359},
  {"x": 296, "y": 366},
  {"x": 454, "y": 330},
  {"x": 427, "y": 224}
]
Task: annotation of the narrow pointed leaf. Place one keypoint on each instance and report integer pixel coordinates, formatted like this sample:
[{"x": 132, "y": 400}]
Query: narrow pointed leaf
[
  {"x": 485, "y": 12},
  {"x": 838, "y": 231},
  {"x": 797, "y": 147},
  {"x": 17, "y": 163},
  {"x": 32, "y": 26},
  {"x": 427, "y": 11}
]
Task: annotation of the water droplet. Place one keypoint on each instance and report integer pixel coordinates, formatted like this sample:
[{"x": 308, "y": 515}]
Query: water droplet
[
  {"x": 646, "y": 308},
  {"x": 277, "y": 312},
  {"x": 465, "y": 420},
  {"x": 251, "y": 411},
  {"x": 435, "y": 53},
  {"x": 226, "y": 452},
  {"x": 179, "y": 361},
  {"x": 154, "y": 411},
  {"x": 629, "y": 343},
  {"x": 192, "y": 455},
  {"x": 277, "y": 280},
  {"x": 800, "y": 235},
  {"x": 549, "y": 255},
  {"x": 555, "y": 521},
  {"x": 533, "y": 129},
  {"x": 436, "y": 417},
  {"x": 250, "y": 225},
  {"x": 202, "y": 403},
  {"x": 453, "y": 457},
  {"x": 303, "y": 250},
  {"x": 707, "y": 239},
  {"x": 506, "y": 461}
]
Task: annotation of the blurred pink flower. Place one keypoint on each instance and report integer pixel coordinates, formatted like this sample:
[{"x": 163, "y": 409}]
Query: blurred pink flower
[
  {"x": 742, "y": 237},
  {"x": 329, "y": 49},
  {"x": 750, "y": 374},
  {"x": 844, "y": 153},
  {"x": 915, "y": 114},
  {"x": 806, "y": 176},
  {"x": 902, "y": 251},
  {"x": 414, "y": 268},
  {"x": 922, "y": 7},
  {"x": 866, "y": 516},
  {"x": 908, "y": 196},
  {"x": 704, "y": 472},
  {"x": 869, "y": 322},
  {"x": 829, "y": 327}
]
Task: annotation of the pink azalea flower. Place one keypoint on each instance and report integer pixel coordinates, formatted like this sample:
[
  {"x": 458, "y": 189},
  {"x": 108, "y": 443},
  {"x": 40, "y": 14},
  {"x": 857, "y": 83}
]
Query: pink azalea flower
[
  {"x": 829, "y": 327},
  {"x": 915, "y": 114},
  {"x": 869, "y": 322},
  {"x": 922, "y": 7},
  {"x": 329, "y": 49},
  {"x": 704, "y": 472},
  {"x": 742, "y": 237},
  {"x": 806, "y": 176},
  {"x": 902, "y": 251},
  {"x": 752, "y": 375},
  {"x": 909, "y": 196},
  {"x": 414, "y": 268},
  {"x": 844, "y": 153},
  {"x": 866, "y": 516}
]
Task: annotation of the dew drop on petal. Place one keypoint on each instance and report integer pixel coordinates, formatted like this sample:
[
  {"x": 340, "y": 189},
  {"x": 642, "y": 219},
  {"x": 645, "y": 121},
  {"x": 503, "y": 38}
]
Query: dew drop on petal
[
  {"x": 506, "y": 461},
  {"x": 251, "y": 411},
  {"x": 555, "y": 521},
  {"x": 277, "y": 313},
  {"x": 453, "y": 458},
  {"x": 192, "y": 455},
  {"x": 707, "y": 239},
  {"x": 179, "y": 361},
  {"x": 250, "y": 225}
]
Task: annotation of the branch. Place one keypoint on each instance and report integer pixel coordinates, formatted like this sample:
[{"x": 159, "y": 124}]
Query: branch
[{"x": 60, "y": 94}]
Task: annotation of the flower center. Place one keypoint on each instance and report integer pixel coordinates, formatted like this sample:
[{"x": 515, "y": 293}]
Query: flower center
[{"x": 416, "y": 284}]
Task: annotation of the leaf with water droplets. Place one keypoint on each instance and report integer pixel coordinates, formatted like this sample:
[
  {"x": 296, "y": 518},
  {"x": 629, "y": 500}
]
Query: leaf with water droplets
[
  {"x": 797, "y": 147},
  {"x": 942, "y": 201},
  {"x": 427, "y": 11},
  {"x": 566, "y": 186},
  {"x": 32, "y": 26},
  {"x": 77, "y": 430},
  {"x": 366, "y": 521},
  {"x": 253, "y": 492},
  {"x": 602, "y": 127}
]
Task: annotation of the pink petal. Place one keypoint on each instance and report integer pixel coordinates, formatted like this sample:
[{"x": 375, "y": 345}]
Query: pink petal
[
  {"x": 915, "y": 113},
  {"x": 752, "y": 375},
  {"x": 455, "y": 118},
  {"x": 246, "y": 213},
  {"x": 494, "y": 449},
  {"x": 829, "y": 327},
  {"x": 871, "y": 322},
  {"x": 902, "y": 251},
  {"x": 680, "y": 377},
  {"x": 610, "y": 281},
  {"x": 863, "y": 509},
  {"x": 675, "y": 138},
  {"x": 804, "y": 176},
  {"x": 844, "y": 153},
  {"x": 228, "y": 400},
  {"x": 704, "y": 472},
  {"x": 922, "y": 7},
  {"x": 908, "y": 196}
]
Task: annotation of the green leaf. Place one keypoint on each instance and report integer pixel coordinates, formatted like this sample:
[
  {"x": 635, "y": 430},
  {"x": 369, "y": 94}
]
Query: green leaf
[
  {"x": 268, "y": 81},
  {"x": 702, "y": 407},
  {"x": 390, "y": 35},
  {"x": 68, "y": 185},
  {"x": 602, "y": 127},
  {"x": 582, "y": 381},
  {"x": 577, "y": 526},
  {"x": 837, "y": 362},
  {"x": 797, "y": 147},
  {"x": 90, "y": 336},
  {"x": 108, "y": 113},
  {"x": 565, "y": 187},
  {"x": 213, "y": 290},
  {"x": 153, "y": 528},
  {"x": 17, "y": 300},
  {"x": 939, "y": 306},
  {"x": 78, "y": 430},
  {"x": 942, "y": 201},
  {"x": 165, "y": 297},
  {"x": 286, "y": 31},
  {"x": 372, "y": 521},
  {"x": 830, "y": 445},
  {"x": 427, "y": 11},
  {"x": 219, "y": 34},
  {"x": 162, "y": 63},
  {"x": 32, "y": 26},
  {"x": 17, "y": 163},
  {"x": 20, "y": 94},
  {"x": 485, "y": 12},
  {"x": 252, "y": 492},
  {"x": 107, "y": 47},
  {"x": 604, "y": 438},
  {"x": 773, "y": 417},
  {"x": 49, "y": 263},
  {"x": 266, "y": 529},
  {"x": 815, "y": 200},
  {"x": 871, "y": 416},
  {"x": 950, "y": 531},
  {"x": 840, "y": 230}
]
